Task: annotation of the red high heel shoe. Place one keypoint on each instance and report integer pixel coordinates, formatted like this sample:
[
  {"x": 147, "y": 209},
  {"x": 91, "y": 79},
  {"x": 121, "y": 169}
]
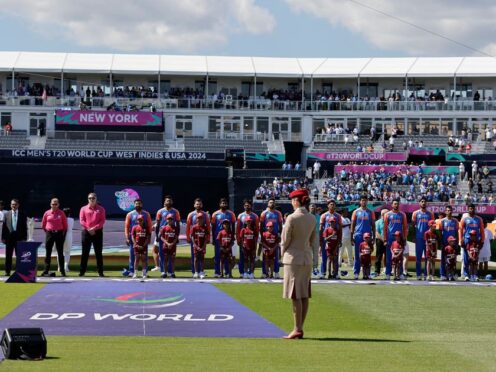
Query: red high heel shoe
[{"x": 294, "y": 335}]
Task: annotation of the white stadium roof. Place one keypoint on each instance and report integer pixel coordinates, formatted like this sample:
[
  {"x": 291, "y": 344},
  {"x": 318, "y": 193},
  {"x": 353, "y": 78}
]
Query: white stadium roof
[{"x": 247, "y": 66}]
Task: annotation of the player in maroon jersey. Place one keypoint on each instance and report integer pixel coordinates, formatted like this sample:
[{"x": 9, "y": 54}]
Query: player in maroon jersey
[
  {"x": 366, "y": 248},
  {"x": 226, "y": 240},
  {"x": 331, "y": 238},
  {"x": 249, "y": 238},
  {"x": 450, "y": 254},
  {"x": 473, "y": 249},
  {"x": 397, "y": 248},
  {"x": 432, "y": 242},
  {"x": 140, "y": 238},
  {"x": 169, "y": 237},
  {"x": 270, "y": 242},
  {"x": 199, "y": 236}
]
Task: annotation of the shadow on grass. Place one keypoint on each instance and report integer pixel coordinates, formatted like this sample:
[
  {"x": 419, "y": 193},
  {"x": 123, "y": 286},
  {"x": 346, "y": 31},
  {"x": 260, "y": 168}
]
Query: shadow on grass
[{"x": 345, "y": 339}]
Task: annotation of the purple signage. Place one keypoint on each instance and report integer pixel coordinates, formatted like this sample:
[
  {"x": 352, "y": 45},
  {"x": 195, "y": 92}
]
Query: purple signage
[
  {"x": 358, "y": 156},
  {"x": 131, "y": 308},
  {"x": 108, "y": 118},
  {"x": 439, "y": 207},
  {"x": 25, "y": 272}
]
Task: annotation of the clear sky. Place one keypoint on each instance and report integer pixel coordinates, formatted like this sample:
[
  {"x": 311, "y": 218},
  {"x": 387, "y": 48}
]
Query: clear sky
[{"x": 279, "y": 28}]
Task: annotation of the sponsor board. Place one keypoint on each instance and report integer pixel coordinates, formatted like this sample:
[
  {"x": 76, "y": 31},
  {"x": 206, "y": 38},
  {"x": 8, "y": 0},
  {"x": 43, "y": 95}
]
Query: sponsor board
[
  {"x": 133, "y": 308},
  {"x": 357, "y": 156}
]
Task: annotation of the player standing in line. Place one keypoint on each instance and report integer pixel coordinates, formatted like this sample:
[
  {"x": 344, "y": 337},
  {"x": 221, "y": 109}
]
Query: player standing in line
[
  {"x": 362, "y": 221},
  {"x": 140, "y": 236},
  {"x": 347, "y": 241},
  {"x": 169, "y": 236},
  {"x": 240, "y": 223},
  {"x": 314, "y": 212},
  {"x": 190, "y": 222},
  {"x": 432, "y": 245},
  {"x": 485, "y": 253},
  {"x": 160, "y": 222},
  {"x": 217, "y": 217},
  {"x": 473, "y": 248},
  {"x": 470, "y": 222},
  {"x": 332, "y": 238},
  {"x": 324, "y": 224},
  {"x": 366, "y": 249},
  {"x": 449, "y": 228},
  {"x": 397, "y": 247},
  {"x": 200, "y": 235},
  {"x": 272, "y": 214},
  {"x": 130, "y": 222},
  {"x": 249, "y": 238},
  {"x": 226, "y": 240},
  {"x": 450, "y": 258},
  {"x": 270, "y": 242},
  {"x": 420, "y": 221},
  {"x": 394, "y": 221},
  {"x": 380, "y": 244}
]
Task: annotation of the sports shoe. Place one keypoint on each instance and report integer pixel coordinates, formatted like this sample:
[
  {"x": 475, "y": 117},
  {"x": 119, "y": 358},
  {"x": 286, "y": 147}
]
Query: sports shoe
[
  {"x": 135, "y": 275},
  {"x": 155, "y": 269},
  {"x": 163, "y": 275},
  {"x": 467, "y": 279},
  {"x": 252, "y": 276},
  {"x": 202, "y": 275},
  {"x": 419, "y": 278},
  {"x": 45, "y": 274},
  {"x": 195, "y": 276},
  {"x": 216, "y": 275},
  {"x": 322, "y": 276},
  {"x": 402, "y": 277},
  {"x": 387, "y": 277},
  {"x": 144, "y": 275},
  {"x": 430, "y": 278},
  {"x": 315, "y": 274},
  {"x": 263, "y": 276},
  {"x": 173, "y": 275},
  {"x": 444, "y": 278},
  {"x": 276, "y": 276},
  {"x": 355, "y": 276}
]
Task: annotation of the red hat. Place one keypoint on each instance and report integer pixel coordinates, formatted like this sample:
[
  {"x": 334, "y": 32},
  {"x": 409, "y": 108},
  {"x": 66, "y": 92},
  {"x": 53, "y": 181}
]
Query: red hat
[
  {"x": 397, "y": 233},
  {"x": 169, "y": 216},
  {"x": 332, "y": 219},
  {"x": 248, "y": 219},
  {"x": 270, "y": 223},
  {"x": 198, "y": 215},
  {"x": 473, "y": 232},
  {"x": 366, "y": 235},
  {"x": 432, "y": 223},
  {"x": 298, "y": 193},
  {"x": 140, "y": 216},
  {"x": 451, "y": 238},
  {"x": 225, "y": 220}
]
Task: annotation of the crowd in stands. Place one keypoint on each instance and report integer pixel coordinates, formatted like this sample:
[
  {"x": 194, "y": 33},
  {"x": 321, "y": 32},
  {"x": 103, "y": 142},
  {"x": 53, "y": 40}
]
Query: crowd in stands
[{"x": 280, "y": 188}]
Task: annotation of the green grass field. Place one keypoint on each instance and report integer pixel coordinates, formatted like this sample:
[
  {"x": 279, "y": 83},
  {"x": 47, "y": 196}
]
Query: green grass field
[{"x": 349, "y": 328}]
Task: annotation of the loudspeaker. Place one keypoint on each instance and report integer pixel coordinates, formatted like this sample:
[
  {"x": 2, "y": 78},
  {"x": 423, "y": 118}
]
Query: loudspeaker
[{"x": 29, "y": 343}]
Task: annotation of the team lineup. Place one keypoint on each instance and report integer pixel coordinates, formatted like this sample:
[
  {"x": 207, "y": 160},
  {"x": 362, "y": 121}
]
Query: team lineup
[{"x": 248, "y": 238}]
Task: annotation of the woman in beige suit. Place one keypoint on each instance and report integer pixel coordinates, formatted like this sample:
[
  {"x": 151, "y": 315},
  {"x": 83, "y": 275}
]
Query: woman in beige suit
[{"x": 299, "y": 237}]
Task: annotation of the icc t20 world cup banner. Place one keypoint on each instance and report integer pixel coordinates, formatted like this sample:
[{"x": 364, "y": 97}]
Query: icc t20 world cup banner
[
  {"x": 90, "y": 119},
  {"x": 358, "y": 156}
]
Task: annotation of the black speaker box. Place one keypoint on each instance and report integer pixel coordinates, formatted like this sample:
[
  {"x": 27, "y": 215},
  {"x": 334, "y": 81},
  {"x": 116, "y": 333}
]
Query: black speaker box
[{"x": 28, "y": 343}]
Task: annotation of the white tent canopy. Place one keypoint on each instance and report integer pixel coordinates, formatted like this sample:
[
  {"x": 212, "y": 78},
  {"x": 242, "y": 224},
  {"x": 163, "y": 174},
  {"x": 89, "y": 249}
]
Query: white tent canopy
[{"x": 247, "y": 66}]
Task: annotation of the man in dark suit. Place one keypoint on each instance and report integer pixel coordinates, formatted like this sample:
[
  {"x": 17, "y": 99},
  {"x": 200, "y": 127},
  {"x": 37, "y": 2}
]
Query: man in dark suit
[{"x": 14, "y": 229}]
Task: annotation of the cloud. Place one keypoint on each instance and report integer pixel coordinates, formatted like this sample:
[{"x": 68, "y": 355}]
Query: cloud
[
  {"x": 177, "y": 25},
  {"x": 470, "y": 23}
]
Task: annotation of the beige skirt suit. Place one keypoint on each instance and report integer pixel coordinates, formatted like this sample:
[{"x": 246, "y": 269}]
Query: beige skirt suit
[{"x": 299, "y": 237}]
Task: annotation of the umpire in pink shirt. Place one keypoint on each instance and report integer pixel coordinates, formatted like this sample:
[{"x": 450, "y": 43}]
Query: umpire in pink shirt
[
  {"x": 54, "y": 223},
  {"x": 92, "y": 219}
]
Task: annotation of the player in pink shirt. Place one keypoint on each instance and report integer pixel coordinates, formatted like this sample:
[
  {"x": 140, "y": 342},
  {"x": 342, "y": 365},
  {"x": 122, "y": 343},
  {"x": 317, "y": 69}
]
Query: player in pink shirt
[
  {"x": 332, "y": 241},
  {"x": 432, "y": 243},
  {"x": 200, "y": 235},
  {"x": 473, "y": 248},
  {"x": 140, "y": 236},
  {"x": 450, "y": 254},
  {"x": 249, "y": 238},
  {"x": 226, "y": 241},
  {"x": 270, "y": 242}
]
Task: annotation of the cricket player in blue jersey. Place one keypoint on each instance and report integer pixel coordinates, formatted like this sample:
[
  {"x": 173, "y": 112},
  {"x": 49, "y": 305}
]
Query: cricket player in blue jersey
[
  {"x": 448, "y": 227},
  {"x": 240, "y": 223},
  {"x": 271, "y": 214},
  {"x": 190, "y": 222},
  {"x": 420, "y": 221},
  {"x": 325, "y": 222},
  {"x": 130, "y": 222},
  {"x": 217, "y": 217},
  {"x": 362, "y": 221},
  {"x": 469, "y": 223},
  {"x": 394, "y": 221},
  {"x": 161, "y": 221}
]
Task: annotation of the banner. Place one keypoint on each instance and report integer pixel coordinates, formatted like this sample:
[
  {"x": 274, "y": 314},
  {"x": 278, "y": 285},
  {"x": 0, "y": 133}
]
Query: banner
[
  {"x": 78, "y": 118},
  {"x": 26, "y": 261},
  {"x": 119, "y": 199},
  {"x": 358, "y": 156},
  {"x": 439, "y": 207},
  {"x": 395, "y": 168},
  {"x": 110, "y": 154}
]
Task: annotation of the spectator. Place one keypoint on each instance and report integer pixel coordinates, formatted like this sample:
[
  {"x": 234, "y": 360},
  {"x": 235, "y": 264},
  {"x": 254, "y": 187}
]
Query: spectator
[
  {"x": 8, "y": 128},
  {"x": 316, "y": 169}
]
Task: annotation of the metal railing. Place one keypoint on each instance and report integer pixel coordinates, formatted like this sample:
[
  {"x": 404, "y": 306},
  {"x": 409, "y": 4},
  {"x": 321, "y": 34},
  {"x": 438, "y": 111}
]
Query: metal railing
[{"x": 253, "y": 104}]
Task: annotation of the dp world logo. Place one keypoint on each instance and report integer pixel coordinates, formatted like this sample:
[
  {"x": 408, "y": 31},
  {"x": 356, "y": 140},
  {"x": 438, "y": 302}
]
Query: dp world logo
[
  {"x": 125, "y": 199},
  {"x": 147, "y": 300}
]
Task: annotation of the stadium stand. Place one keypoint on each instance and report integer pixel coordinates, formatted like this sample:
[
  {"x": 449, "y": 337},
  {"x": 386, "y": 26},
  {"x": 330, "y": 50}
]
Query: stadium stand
[
  {"x": 15, "y": 140},
  {"x": 220, "y": 145}
]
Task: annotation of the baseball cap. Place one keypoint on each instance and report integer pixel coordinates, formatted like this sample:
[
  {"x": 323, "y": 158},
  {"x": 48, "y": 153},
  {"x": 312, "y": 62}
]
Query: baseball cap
[
  {"x": 397, "y": 233},
  {"x": 270, "y": 223},
  {"x": 199, "y": 215},
  {"x": 225, "y": 220},
  {"x": 332, "y": 219},
  {"x": 473, "y": 232},
  {"x": 169, "y": 216},
  {"x": 140, "y": 217},
  {"x": 451, "y": 238},
  {"x": 432, "y": 223},
  {"x": 366, "y": 235}
]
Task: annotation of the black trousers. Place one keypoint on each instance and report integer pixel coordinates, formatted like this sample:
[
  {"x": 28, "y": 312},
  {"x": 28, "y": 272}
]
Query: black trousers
[
  {"x": 10, "y": 248},
  {"x": 380, "y": 254},
  {"x": 57, "y": 238},
  {"x": 86, "y": 241}
]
